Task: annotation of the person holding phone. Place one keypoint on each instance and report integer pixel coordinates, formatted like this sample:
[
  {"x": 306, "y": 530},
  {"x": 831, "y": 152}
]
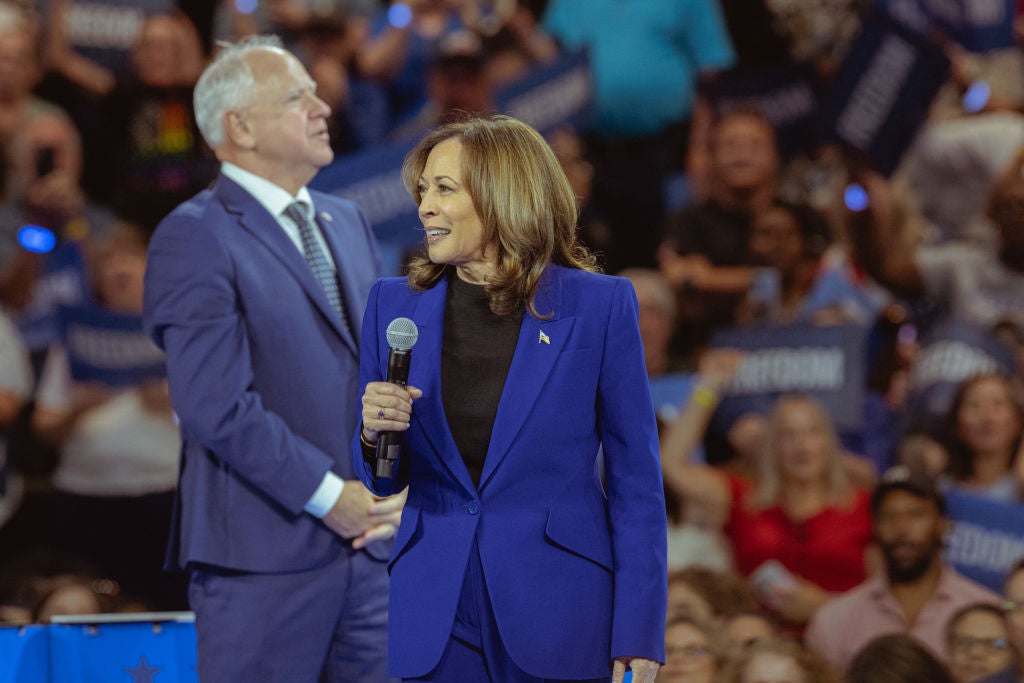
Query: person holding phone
[
  {"x": 47, "y": 194},
  {"x": 800, "y": 531}
]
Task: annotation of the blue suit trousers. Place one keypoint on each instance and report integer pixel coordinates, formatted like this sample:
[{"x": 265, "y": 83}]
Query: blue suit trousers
[
  {"x": 323, "y": 625},
  {"x": 475, "y": 653}
]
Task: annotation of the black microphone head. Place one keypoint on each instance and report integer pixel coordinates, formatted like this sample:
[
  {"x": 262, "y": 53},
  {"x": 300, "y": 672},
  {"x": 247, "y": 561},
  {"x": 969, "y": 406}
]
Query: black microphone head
[{"x": 402, "y": 334}]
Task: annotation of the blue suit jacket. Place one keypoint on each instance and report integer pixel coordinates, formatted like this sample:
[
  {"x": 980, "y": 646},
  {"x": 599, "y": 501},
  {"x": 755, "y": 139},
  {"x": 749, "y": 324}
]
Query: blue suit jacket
[
  {"x": 263, "y": 375},
  {"x": 575, "y": 571}
]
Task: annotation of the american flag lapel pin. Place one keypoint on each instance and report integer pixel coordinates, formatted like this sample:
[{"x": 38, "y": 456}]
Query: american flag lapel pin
[
  {"x": 326, "y": 216},
  {"x": 543, "y": 338}
]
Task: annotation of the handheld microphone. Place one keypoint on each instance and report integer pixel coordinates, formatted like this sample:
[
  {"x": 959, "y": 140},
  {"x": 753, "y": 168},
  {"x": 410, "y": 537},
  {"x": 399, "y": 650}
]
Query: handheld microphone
[{"x": 401, "y": 335}]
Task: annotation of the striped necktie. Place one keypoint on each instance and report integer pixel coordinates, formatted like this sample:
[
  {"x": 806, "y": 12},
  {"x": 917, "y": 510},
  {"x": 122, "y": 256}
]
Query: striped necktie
[{"x": 316, "y": 258}]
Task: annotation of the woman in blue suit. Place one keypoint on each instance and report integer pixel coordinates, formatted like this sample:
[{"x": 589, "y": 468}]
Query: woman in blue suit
[{"x": 519, "y": 558}]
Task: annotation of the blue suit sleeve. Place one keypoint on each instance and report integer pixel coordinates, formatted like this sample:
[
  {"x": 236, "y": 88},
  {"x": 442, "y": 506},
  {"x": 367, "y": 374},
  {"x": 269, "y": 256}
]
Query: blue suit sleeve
[
  {"x": 193, "y": 313},
  {"x": 636, "y": 502},
  {"x": 370, "y": 371}
]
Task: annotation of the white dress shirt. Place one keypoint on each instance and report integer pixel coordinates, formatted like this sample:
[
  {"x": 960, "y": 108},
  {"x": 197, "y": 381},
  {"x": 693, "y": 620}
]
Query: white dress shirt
[{"x": 275, "y": 200}]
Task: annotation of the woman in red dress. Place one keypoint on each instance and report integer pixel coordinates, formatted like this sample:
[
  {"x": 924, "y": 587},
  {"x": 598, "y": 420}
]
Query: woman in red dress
[{"x": 799, "y": 530}]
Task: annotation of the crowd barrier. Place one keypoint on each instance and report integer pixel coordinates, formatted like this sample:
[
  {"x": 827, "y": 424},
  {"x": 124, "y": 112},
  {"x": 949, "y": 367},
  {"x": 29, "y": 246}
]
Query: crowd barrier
[{"x": 102, "y": 648}]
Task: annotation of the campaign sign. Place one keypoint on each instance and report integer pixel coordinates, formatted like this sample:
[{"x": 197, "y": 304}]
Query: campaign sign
[
  {"x": 985, "y": 539},
  {"x": 373, "y": 180},
  {"x": 825, "y": 363},
  {"x": 24, "y": 654},
  {"x": 145, "y": 652},
  {"x": 62, "y": 283},
  {"x": 978, "y": 25},
  {"x": 910, "y": 13},
  {"x": 883, "y": 90},
  {"x": 784, "y": 95},
  {"x": 951, "y": 353},
  {"x": 551, "y": 95},
  {"x": 109, "y": 348}
]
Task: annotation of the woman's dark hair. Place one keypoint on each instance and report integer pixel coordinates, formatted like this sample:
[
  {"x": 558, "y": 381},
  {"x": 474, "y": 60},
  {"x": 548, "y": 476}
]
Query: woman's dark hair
[
  {"x": 961, "y": 459},
  {"x": 896, "y": 658}
]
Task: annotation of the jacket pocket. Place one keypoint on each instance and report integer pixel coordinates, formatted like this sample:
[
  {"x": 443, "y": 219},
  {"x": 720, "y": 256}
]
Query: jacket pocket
[{"x": 582, "y": 530}]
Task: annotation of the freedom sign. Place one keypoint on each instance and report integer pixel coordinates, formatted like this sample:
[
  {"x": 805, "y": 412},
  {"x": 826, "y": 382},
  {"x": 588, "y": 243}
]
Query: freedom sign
[{"x": 825, "y": 363}]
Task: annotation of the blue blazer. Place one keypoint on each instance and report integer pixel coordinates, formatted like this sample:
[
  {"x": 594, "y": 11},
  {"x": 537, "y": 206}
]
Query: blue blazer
[
  {"x": 576, "y": 571},
  {"x": 263, "y": 375}
]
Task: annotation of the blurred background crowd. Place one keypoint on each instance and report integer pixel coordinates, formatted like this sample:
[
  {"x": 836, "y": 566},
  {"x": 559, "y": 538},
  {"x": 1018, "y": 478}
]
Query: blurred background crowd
[{"x": 808, "y": 541}]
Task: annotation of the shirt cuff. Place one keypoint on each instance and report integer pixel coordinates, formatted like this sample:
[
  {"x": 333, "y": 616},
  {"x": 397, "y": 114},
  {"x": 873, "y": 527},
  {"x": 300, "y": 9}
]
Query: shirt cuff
[{"x": 325, "y": 496}]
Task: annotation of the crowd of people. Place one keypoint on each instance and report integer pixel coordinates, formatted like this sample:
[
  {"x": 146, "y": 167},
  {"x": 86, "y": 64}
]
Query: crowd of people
[{"x": 802, "y": 547}]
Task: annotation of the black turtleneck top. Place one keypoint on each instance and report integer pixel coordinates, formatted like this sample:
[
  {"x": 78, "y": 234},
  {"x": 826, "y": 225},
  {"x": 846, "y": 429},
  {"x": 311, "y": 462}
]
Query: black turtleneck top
[{"x": 477, "y": 350}]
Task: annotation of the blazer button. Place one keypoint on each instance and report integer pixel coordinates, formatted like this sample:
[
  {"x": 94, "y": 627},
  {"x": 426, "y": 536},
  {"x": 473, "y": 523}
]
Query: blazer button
[{"x": 473, "y": 508}]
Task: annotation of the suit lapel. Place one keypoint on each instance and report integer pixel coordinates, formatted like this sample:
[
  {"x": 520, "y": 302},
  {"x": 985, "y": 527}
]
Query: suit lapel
[
  {"x": 538, "y": 348},
  {"x": 425, "y": 374},
  {"x": 255, "y": 219}
]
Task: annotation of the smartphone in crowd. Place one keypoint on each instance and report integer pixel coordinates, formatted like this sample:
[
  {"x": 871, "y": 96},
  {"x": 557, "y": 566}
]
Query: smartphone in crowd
[{"x": 771, "y": 581}]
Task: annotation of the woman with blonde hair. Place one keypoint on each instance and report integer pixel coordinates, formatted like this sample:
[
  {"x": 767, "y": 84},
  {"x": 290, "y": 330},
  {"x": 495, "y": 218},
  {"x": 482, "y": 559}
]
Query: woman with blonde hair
[{"x": 799, "y": 530}]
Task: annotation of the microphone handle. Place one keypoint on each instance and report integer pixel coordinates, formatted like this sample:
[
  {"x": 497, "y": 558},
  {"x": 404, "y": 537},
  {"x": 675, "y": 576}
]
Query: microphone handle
[{"x": 389, "y": 444}]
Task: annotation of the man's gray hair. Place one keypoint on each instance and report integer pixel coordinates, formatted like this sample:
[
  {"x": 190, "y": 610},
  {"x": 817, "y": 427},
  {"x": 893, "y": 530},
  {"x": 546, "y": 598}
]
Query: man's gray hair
[{"x": 227, "y": 83}]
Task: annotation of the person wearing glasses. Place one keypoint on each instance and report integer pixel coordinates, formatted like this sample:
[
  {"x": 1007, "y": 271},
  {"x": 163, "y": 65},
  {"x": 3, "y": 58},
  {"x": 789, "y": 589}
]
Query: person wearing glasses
[
  {"x": 1013, "y": 609},
  {"x": 693, "y": 652},
  {"x": 1013, "y": 592},
  {"x": 978, "y": 640}
]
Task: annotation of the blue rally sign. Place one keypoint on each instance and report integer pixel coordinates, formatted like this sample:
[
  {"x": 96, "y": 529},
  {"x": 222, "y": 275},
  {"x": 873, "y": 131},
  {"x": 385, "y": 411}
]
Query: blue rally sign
[
  {"x": 951, "y": 353},
  {"x": 109, "y": 348},
  {"x": 826, "y": 363},
  {"x": 883, "y": 90},
  {"x": 985, "y": 539}
]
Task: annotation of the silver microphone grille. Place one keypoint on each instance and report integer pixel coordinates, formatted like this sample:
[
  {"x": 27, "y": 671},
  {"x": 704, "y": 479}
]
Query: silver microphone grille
[{"x": 402, "y": 334}]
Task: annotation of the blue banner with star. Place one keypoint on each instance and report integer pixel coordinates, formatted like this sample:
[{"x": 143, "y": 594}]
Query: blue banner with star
[
  {"x": 145, "y": 652},
  {"x": 24, "y": 654}
]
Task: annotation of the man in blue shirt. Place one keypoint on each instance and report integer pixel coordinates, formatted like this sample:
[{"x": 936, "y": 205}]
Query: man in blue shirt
[{"x": 646, "y": 56}]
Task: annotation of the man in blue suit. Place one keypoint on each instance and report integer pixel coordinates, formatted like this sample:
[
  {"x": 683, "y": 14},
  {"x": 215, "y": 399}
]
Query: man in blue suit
[{"x": 253, "y": 289}]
